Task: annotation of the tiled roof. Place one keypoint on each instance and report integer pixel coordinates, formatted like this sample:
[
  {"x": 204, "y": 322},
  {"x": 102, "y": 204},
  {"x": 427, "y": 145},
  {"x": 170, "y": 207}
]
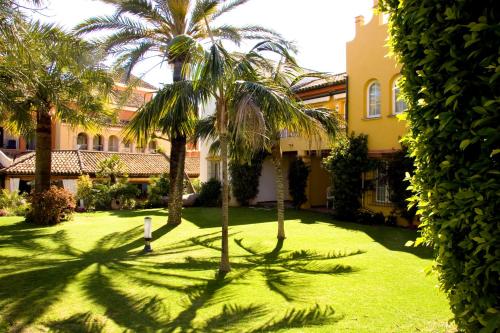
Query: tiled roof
[
  {"x": 77, "y": 162},
  {"x": 121, "y": 78},
  {"x": 134, "y": 99},
  {"x": 311, "y": 84}
]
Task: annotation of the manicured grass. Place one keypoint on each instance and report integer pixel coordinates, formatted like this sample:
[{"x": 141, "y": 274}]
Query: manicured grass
[{"x": 90, "y": 275}]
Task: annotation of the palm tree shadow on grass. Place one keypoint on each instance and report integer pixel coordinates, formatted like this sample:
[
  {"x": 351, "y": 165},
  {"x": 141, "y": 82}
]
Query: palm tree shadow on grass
[
  {"x": 34, "y": 283},
  {"x": 37, "y": 283}
]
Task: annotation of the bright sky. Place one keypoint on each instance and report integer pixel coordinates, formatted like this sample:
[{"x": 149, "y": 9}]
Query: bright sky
[{"x": 319, "y": 27}]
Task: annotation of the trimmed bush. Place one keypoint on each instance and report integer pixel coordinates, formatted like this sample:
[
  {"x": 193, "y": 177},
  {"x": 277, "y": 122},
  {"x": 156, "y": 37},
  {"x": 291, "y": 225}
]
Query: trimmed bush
[
  {"x": 210, "y": 194},
  {"x": 158, "y": 190},
  {"x": 346, "y": 163},
  {"x": 297, "y": 182},
  {"x": 245, "y": 179},
  {"x": 449, "y": 54},
  {"x": 54, "y": 205}
]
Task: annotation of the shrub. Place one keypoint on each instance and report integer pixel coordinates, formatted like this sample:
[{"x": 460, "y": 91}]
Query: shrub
[
  {"x": 158, "y": 189},
  {"x": 449, "y": 56},
  {"x": 85, "y": 191},
  {"x": 346, "y": 163},
  {"x": 399, "y": 168},
  {"x": 245, "y": 179},
  {"x": 297, "y": 182},
  {"x": 196, "y": 184},
  {"x": 210, "y": 194},
  {"x": 124, "y": 193},
  {"x": 367, "y": 216},
  {"x": 102, "y": 196},
  {"x": 13, "y": 203},
  {"x": 54, "y": 205}
]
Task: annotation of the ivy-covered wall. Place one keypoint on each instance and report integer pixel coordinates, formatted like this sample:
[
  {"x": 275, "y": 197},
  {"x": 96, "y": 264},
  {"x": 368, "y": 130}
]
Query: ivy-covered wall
[{"x": 449, "y": 51}]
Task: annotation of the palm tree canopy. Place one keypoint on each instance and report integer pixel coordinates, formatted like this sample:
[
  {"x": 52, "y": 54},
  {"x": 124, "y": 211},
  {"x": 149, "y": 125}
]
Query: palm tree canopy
[
  {"x": 55, "y": 71},
  {"x": 142, "y": 29},
  {"x": 262, "y": 101}
]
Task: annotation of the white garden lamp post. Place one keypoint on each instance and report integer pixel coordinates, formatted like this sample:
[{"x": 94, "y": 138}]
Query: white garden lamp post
[{"x": 148, "y": 234}]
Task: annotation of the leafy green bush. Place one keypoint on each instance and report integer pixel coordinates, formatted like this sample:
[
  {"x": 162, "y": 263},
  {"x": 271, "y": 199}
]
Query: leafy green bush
[
  {"x": 245, "y": 179},
  {"x": 85, "y": 191},
  {"x": 297, "y": 181},
  {"x": 367, "y": 216},
  {"x": 13, "y": 203},
  {"x": 346, "y": 163},
  {"x": 158, "y": 189},
  {"x": 399, "y": 167},
  {"x": 210, "y": 194},
  {"x": 54, "y": 205},
  {"x": 124, "y": 194},
  {"x": 196, "y": 184},
  {"x": 449, "y": 54}
]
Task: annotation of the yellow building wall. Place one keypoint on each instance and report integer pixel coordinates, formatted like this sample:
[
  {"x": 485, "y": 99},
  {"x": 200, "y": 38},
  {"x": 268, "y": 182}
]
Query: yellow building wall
[
  {"x": 319, "y": 181},
  {"x": 367, "y": 60},
  {"x": 66, "y": 135}
]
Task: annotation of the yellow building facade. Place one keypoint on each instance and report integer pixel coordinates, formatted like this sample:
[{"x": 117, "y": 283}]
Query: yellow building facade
[{"x": 374, "y": 104}]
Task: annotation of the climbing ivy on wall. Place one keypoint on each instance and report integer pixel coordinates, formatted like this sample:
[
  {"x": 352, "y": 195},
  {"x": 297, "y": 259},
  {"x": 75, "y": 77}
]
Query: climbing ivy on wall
[{"x": 449, "y": 51}]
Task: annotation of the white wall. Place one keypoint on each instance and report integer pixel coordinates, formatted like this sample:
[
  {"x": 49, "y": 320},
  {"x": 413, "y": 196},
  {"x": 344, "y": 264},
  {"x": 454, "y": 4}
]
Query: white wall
[{"x": 267, "y": 181}]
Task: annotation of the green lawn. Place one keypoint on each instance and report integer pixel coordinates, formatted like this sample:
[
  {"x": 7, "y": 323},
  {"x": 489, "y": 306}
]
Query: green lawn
[{"x": 90, "y": 275}]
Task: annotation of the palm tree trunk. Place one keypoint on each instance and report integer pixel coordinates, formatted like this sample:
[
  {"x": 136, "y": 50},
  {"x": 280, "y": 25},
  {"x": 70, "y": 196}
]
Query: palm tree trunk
[
  {"x": 224, "y": 267},
  {"x": 177, "y": 162},
  {"x": 280, "y": 189},
  {"x": 43, "y": 151}
]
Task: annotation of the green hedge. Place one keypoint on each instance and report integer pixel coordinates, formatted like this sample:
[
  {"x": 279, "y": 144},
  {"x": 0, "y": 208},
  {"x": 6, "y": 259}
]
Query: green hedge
[{"x": 450, "y": 56}]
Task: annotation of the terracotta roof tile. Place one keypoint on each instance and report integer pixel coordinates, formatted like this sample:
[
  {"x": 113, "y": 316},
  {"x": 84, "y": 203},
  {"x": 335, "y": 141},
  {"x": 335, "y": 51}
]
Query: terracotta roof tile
[
  {"x": 73, "y": 162},
  {"x": 311, "y": 84}
]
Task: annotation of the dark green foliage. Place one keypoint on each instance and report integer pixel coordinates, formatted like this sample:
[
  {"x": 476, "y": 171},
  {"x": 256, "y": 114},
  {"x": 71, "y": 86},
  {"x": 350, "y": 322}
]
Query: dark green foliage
[
  {"x": 158, "y": 190},
  {"x": 55, "y": 205},
  {"x": 347, "y": 161},
  {"x": 245, "y": 179},
  {"x": 367, "y": 216},
  {"x": 398, "y": 168},
  {"x": 210, "y": 194},
  {"x": 297, "y": 181},
  {"x": 449, "y": 52}
]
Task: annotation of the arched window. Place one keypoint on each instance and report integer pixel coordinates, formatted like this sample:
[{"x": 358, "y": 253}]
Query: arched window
[
  {"x": 82, "y": 141},
  {"x": 113, "y": 143},
  {"x": 374, "y": 99},
  {"x": 152, "y": 146},
  {"x": 398, "y": 104},
  {"x": 127, "y": 146},
  {"x": 97, "y": 143}
]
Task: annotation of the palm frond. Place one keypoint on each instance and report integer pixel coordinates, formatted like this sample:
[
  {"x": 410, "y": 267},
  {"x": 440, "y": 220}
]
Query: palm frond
[{"x": 228, "y": 6}]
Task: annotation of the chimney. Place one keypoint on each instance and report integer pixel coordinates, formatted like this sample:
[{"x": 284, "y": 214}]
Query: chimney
[{"x": 360, "y": 21}]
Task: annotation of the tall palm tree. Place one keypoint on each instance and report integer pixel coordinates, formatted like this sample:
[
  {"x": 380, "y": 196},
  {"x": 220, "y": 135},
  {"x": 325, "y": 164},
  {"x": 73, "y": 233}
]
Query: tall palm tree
[
  {"x": 143, "y": 29},
  {"x": 315, "y": 124},
  {"x": 235, "y": 82},
  {"x": 258, "y": 127},
  {"x": 62, "y": 79}
]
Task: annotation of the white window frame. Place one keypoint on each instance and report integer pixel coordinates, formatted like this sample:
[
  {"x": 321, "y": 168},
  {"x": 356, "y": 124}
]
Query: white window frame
[
  {"x": 395, "y": 89},
  {"x": 368, "y": 101},
  {"x": 382, "y": 193}
]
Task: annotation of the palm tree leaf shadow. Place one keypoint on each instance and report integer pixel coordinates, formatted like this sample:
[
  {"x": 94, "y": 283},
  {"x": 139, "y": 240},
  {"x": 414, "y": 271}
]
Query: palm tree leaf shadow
[
  {"x": 231, "y": 317},
  {"x": 78, "y": 323},
  {"x": 144, "y": 314},
  {"x": 299, "y": 318},
  {"x": 279, "y": 268}
]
